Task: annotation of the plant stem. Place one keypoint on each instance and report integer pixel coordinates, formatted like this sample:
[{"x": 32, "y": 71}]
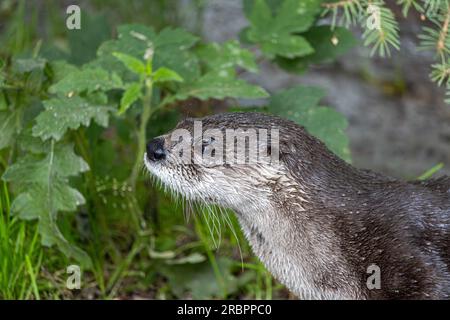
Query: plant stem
[{"x": 142, "y": 135}]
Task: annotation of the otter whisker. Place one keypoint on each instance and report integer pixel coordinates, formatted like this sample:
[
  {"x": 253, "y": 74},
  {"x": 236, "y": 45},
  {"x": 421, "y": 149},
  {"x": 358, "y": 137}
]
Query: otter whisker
[{"x": 230, "y": 225}]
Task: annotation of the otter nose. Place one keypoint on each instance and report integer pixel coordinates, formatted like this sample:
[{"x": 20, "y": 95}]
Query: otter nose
[{"x": 155, "y": 150}]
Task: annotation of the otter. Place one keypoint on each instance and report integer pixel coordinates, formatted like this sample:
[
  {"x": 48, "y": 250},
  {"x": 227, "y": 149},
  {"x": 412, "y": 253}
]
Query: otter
[{"x": 322, "y": 227}]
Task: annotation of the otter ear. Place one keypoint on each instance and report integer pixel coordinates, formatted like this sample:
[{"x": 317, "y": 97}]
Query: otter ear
[
  {"x": 287, "y": 147},
  {"x": 291, "y": 155},
  {"x": 185, "y": 122}
]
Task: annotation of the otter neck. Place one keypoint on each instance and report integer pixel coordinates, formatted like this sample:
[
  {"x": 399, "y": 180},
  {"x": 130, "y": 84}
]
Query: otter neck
[{"x": 294, "y": 251}]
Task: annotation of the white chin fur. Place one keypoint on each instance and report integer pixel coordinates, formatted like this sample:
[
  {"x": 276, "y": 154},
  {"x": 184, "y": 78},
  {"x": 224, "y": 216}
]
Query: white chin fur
[
  {"x": 148, "y": 165},
  {"x": 169, "y": 180}
]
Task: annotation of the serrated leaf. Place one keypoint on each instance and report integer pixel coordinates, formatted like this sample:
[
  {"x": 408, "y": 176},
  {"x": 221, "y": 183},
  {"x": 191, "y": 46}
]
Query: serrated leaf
[
  {"x": 278, "y": 34},
  {"x": 62, "y": 114},
  {"x": 300, "y": 104},
  {"x": 43, "y": 181},
  {"x": 131, "y": 95},
  {"x": 212, "y": 85},
  {"x": 164, "y": 74},
  {"x": 28, "y": 143},
  {"x": 227, "y": 56},
  {"x": 88, "y": 79},
  {"x": 32, "y": 167},
  {"x": 296, "y": 16},
  {"x": 61, "y": 69},
  {"x": 170, "y": 37},
  {"x": 133, "y": 64},
  {"x": 171, "y": 50}
]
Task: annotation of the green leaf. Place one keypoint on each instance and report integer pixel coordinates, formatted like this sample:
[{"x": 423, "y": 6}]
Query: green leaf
[
  {"x": 87, "y": 80},
  {"x": 170, "y": 46},
  {"x": 8, "y": 128},
  {"x": 212, "y": 85},
  {"x": 28, "y": 143},
  {"x": 286, "y": 46},
  {"x": 164, "y": 74},
  {"x": 131, "y": 95},
  {"x": 227, "y": 56},
  {"x": 329, "y": 126},
  {"x": 171, "y": 38},
  {"x": 328, "y": 44},
  {"x": 300, "y": 104},
  {"x": 61, "y": 69},
  {"x": 277, "y": 34},
  {"x": 43, "y": 181},
  {"x": 133, "y": 64},
  {"x": 62, "y": 114}
]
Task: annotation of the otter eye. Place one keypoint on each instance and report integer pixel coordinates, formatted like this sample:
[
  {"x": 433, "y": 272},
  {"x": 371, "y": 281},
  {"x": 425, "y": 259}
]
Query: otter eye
[{"x": 207, "y": 142}]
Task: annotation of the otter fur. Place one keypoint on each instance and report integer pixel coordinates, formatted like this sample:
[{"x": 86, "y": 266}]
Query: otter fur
[{"x": 318, "y": 223}]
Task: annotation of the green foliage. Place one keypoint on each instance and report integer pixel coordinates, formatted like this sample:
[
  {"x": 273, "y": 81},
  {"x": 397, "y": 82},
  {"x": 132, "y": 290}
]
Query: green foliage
[
  {"x": 329, "y": 44},
  {"x": 378, "y": 21},
  {"x": 133, "y": 64},
  {"x": 21, "y": 255},
  {"x": 286, "y": 33},
  {"x": 226, "y": 57},
  {"x": 384, "y": 31},
  {"x": 131, "y": 95},
  {"x": 7, "y": 128},
  {"x": 381, "y": 31},
  {"x": 62, "y": 114},
  {"x": 88, "y": 80},
  {"x": 74, "y": 121},
  {"x": 212, "y": 85},
  {"x": 277, "y": 34},
  {"x": 45, "y": 191},
  {"x": 301, "y": 104},
  {"x": 170, "y": 48},
  {"x": 198, "y": 279}
]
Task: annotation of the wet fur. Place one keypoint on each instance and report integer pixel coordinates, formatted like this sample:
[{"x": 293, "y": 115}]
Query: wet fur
[{"x": 317, "y": 223}]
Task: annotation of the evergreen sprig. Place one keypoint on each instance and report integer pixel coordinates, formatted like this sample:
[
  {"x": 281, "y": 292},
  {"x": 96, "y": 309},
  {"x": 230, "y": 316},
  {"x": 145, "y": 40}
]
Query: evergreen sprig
[
  {"x": 381, "y": 30},
  {"x": 377, "y": 20}
]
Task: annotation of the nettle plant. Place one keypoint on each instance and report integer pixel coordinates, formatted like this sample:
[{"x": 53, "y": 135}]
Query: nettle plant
[{"x": 60, "y": 120}]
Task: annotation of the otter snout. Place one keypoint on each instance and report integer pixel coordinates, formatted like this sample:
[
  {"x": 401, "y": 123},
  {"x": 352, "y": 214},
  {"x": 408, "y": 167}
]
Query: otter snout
[{"x": 155, "y": 150}]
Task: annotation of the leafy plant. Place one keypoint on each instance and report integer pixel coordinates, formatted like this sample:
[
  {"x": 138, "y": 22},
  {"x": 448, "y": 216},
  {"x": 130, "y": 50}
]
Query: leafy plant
[
  {"x": 300, "y": 104},
  {"x": 287, "y": 33},
  {"x": 74, "y": 126}
]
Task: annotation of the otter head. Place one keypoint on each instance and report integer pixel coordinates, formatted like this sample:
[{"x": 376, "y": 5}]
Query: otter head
[{"x": 234, "y": 160}]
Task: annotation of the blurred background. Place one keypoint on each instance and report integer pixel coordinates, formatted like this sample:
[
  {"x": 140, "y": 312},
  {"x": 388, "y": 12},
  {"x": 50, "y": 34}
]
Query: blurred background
[{"x": 398, "y": 124}]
